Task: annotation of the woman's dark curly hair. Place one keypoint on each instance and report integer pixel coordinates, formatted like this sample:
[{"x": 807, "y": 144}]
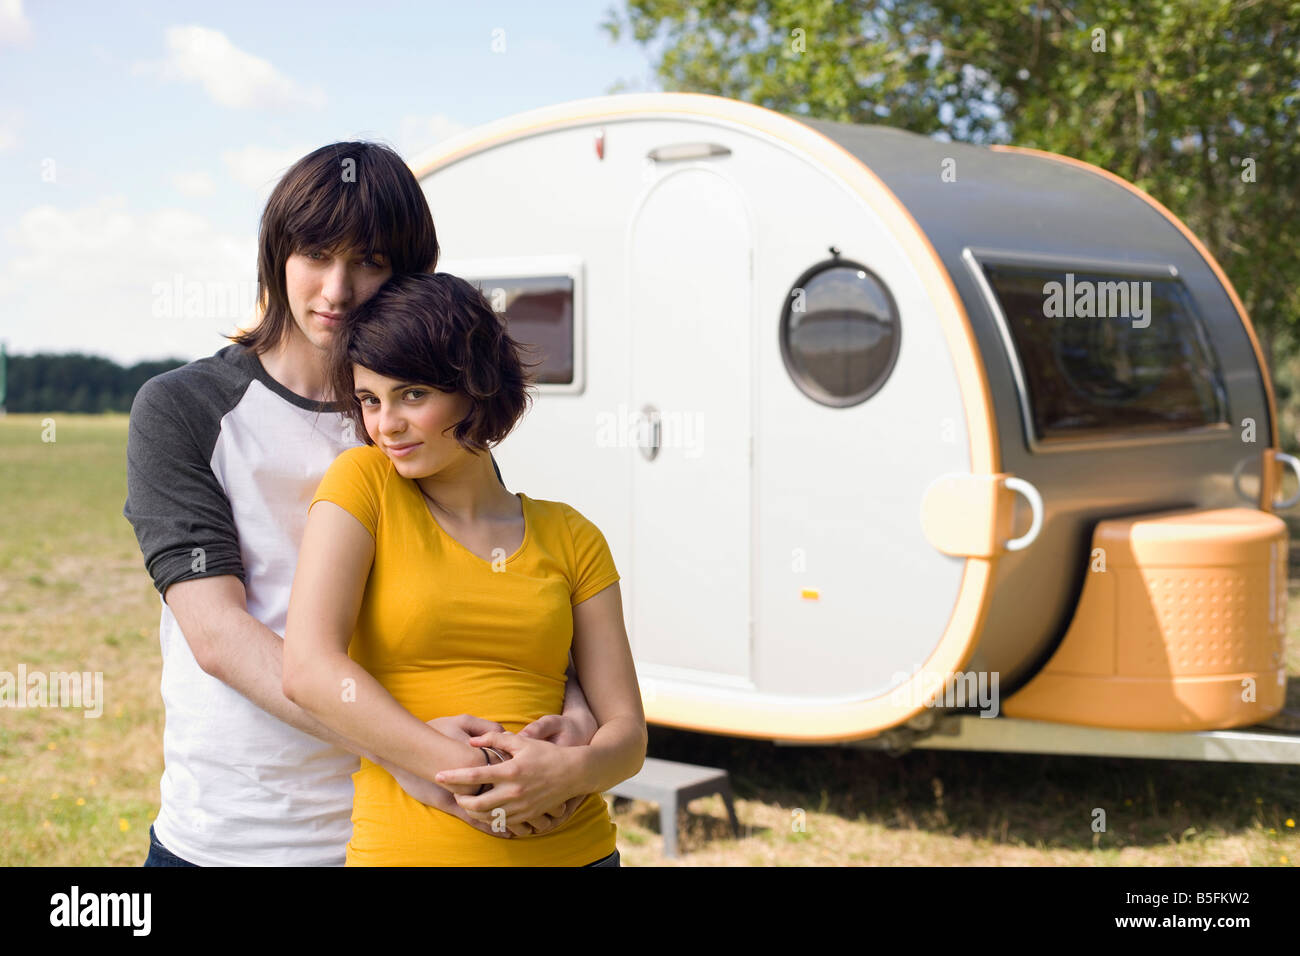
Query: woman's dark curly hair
[{"x": 436, "y": 330}]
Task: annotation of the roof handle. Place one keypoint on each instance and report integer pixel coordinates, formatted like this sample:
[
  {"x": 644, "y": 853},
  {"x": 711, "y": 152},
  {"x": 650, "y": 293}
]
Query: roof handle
[{"x": 678, "y": 152}]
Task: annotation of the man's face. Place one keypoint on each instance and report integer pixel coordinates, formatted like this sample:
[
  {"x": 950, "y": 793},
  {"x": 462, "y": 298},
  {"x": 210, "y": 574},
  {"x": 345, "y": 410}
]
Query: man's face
[{"x": 324, "y": 285}]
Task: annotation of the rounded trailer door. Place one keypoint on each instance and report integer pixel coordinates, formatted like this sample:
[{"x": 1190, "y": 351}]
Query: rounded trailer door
[{"x": 690, "y": 303}]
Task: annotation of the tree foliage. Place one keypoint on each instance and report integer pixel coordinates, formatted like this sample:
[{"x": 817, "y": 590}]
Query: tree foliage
[{"x": 76, "y": 382}]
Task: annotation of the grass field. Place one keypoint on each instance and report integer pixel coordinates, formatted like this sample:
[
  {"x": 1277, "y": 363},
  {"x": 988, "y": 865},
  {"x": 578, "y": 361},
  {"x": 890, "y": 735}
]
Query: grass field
[{"x": 74, "y": 596}]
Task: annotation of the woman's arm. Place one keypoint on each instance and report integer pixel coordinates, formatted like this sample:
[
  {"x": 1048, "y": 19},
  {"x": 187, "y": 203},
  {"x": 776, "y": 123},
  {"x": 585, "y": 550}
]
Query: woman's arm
[
  {"x": 604, "y": 659},
  {"x": 616, "y": 752},
  {"x": 333, "y": 564}
]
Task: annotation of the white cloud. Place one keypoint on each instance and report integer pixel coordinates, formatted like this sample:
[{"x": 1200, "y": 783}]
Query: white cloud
[
  {"x": 421, "y": 132},
  {"x": 260, "y": 167},
  {"x": 229, "y": 75},
  {"x": 104, "y": 280},
  {"x": 196, "y": 183},
  {"x": 15, "y": 28}
]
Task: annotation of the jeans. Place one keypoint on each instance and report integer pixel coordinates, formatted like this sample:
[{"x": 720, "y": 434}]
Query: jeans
[
  {"x": 611, "y": 860},
  {"x": 159, "y": 855}
]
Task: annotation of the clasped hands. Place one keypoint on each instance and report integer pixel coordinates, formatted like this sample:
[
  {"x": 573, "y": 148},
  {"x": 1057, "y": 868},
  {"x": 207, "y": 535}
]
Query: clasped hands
[{"x": 531, "y": 791}]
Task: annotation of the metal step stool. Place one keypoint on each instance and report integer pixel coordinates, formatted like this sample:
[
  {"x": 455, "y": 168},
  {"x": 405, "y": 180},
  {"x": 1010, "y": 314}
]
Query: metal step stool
[{"x": 672, "y": 786}]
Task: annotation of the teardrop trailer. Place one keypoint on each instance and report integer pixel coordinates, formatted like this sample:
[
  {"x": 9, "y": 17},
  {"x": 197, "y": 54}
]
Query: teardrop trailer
[{"x": 884, "y": 431}]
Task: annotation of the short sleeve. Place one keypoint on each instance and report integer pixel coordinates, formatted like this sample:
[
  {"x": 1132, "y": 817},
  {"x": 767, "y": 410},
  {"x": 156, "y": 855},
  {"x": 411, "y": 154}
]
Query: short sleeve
[
  {"x": 181, "y": 516},
  {"x": 593, "y": 569},
  {"x": 355, "y": 482}
]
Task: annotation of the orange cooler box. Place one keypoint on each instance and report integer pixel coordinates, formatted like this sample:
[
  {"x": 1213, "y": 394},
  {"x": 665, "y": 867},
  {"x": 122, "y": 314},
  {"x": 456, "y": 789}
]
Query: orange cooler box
[{"x": 1180, "y": 626}]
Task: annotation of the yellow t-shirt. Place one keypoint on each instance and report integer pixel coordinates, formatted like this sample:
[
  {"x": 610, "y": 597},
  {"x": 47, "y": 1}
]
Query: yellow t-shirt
[{"x": 445, "y": 633}]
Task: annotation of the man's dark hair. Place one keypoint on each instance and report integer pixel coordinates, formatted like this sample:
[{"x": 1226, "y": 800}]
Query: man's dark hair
[
  {"x": 346, "y": 196},
  {"x": 435, "y": 330}
]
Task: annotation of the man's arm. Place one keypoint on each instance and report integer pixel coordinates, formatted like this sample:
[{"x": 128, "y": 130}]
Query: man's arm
[
  {"x": 575, "y": 725},
  {"x": 240, "y": 651},
  {"x": 247, "y": 656}
]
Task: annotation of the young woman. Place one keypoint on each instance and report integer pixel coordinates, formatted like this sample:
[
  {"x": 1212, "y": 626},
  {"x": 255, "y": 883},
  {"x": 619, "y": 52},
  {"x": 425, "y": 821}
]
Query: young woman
[{"x": 424, "y": 588}]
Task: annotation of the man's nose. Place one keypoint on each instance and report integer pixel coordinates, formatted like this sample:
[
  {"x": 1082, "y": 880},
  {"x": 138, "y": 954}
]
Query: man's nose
[{"x": 337, "y": 287}]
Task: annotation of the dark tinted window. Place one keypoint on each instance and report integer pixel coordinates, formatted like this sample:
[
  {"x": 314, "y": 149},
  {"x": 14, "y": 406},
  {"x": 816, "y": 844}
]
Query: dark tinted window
[
  {"x": 839, "y": 333},
  {"x": 1107, "y": 354},
  {"x": 539, "y": 313}
]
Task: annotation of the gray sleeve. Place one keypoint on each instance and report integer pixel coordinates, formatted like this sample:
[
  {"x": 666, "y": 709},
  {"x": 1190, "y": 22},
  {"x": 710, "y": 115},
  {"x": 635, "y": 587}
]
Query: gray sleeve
[{"x": 173, "y": 500}]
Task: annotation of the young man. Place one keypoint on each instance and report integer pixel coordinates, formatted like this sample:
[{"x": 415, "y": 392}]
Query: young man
[{"x": 223, "y": 457}]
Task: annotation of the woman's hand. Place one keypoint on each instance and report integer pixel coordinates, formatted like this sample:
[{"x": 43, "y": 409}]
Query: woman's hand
[
  {"x": 458, "y": 728},
  {"x": 536, "y": 783},
  {"x": 572, "y": 729}
]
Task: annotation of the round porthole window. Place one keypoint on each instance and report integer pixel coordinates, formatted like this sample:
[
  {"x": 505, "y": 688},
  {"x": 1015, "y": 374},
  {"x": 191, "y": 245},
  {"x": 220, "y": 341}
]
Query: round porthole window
[{"x": 839, "y": 333}]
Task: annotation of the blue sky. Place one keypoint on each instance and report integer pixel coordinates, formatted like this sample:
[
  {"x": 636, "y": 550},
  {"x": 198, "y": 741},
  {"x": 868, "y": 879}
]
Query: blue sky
[{"x": 138, "y": 142}]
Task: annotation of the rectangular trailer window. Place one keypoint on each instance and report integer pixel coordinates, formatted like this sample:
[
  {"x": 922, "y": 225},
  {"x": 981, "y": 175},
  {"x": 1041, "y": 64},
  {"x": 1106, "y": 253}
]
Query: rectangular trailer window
[
  {"x": 1104, "y": 354},
  {"x": 539, "y": 314}
]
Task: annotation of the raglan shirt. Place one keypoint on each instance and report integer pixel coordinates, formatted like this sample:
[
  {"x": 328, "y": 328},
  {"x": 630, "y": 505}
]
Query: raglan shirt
[{"x": 222, "y": 463}]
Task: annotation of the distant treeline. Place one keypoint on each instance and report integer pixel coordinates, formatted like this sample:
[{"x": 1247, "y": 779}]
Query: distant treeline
[{"x": 75, "y": 382}]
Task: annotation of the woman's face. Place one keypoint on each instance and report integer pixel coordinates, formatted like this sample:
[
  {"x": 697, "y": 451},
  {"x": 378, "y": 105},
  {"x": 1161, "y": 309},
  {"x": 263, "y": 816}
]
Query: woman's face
[{"x": 400, "y": 414}]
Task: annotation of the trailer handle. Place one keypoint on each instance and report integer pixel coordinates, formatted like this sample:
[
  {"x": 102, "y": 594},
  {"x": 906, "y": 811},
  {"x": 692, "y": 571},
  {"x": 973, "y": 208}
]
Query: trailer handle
[
  {"x": 1036, "y": 506},
  {"x": 1236, "y": 480},
  {"x": 1277, "y": 456},
  {"x": 1290, "y": 461}
]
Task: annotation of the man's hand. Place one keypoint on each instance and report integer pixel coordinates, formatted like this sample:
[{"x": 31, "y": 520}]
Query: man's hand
[
  {"x": 539, "y": 783},
  {"x": 562, "y": 730}
]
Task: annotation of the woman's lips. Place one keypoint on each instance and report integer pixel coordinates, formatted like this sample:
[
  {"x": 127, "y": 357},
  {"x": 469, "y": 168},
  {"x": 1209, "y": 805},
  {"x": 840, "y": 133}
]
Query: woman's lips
[
  {"x": 402, "y": 452},
  {"x": 328, "y": 318}
]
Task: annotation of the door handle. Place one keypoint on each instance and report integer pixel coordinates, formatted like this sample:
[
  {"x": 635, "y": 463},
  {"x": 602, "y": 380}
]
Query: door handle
[{"x": 652, "y": 432}]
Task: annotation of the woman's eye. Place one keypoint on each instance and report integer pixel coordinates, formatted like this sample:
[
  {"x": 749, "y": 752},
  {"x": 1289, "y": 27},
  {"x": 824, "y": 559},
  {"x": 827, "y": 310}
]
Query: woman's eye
[{"x": 418, "y": 393}]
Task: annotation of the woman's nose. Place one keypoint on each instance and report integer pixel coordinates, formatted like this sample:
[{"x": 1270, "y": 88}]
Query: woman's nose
[{"x": 390, "y": 423}]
